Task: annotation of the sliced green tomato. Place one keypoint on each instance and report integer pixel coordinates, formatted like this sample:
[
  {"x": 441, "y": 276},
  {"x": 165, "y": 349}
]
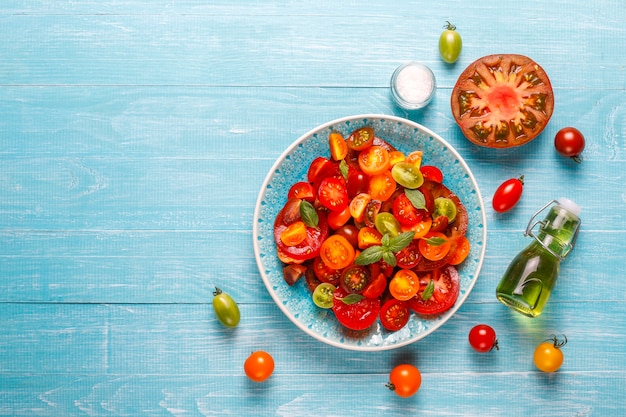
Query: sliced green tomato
[
  {"x": 445, "y": 207},
  {"x": 386, "y": 223},
  {"x": 407, "y": 175},
  {"x": 323, "y": 295}
]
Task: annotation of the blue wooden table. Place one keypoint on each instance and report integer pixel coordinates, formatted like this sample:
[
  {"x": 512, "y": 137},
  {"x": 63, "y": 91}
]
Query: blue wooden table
[{"x": 134, "y": 139}]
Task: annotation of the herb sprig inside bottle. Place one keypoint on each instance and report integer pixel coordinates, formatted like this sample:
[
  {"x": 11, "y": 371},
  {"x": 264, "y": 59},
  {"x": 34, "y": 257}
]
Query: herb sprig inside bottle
[{"x": 386, "y": 251}]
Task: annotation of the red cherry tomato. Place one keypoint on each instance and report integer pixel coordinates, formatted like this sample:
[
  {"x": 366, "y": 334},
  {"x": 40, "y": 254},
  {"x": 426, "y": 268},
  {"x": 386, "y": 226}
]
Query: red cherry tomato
[
  {"x": 570, "y": 143},
  {"x": 356, "y": 316},
  {"x": 508, "y": 194},
  {"x": 394, "y": 314},
  {"x": 482, "y": 338}
]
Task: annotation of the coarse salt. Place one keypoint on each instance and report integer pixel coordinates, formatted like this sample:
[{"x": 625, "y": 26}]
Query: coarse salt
[{"x": 413, "y": 85}]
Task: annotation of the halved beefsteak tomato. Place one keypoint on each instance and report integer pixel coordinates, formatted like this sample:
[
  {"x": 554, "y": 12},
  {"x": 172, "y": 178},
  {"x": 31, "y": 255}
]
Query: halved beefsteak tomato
[{"x": 501, "y": 101}]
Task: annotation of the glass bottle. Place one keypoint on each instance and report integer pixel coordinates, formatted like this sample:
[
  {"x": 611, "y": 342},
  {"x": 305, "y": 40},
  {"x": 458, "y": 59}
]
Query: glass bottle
[{"x": 528, "y": 281}]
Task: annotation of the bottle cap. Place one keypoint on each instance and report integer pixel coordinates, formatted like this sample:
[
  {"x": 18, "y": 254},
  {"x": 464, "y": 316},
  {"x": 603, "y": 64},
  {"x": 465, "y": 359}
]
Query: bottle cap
[{"x": 569, "y": 205}]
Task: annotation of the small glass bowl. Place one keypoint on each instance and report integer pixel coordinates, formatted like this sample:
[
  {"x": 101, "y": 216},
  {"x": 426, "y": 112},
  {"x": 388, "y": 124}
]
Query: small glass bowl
[{"x": 413, "y": 85}]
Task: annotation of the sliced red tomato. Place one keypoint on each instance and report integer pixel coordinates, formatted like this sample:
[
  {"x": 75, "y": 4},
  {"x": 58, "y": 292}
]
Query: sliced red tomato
[
  {"x": 361, "y": 139},
  {"x": 324, "y": 273},
  {"x": 441, "y": 295},
  {"x": 409, "y": 256},
  {"x": 337, "y": 219},
  {"x": 432, "y": 173},
  {"x": 307, "y": 249},
  {"x": 356, "y": 316},
  {"x": 377, "y": 286},
  {"x": 374, "y": 160},
  {"x": 503, "y": 100},
  {"x": 302, "y": 190},
  {"x": 332, "y": 194},
  {"x": 319, "y": 165},
  {"x": 405, "y": 211},
  {"x": 394, "y": 314}
]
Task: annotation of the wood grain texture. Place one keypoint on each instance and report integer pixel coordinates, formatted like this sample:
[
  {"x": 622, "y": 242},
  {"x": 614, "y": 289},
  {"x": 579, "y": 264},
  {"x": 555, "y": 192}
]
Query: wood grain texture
[{"x": 134, "y": 139}]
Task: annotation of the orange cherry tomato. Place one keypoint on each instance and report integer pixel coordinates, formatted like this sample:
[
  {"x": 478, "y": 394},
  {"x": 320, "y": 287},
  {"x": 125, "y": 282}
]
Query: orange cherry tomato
[
  {"x": 374, "y": 160},
  {"x": 404, "y": 285},
  {"x": 459, "y": 250},
  {"x": 368, "y": 236},
  {"x": 420, "y": 229},
  {"x": 434, "y": 246},
  {"x": 259, "y": 366},
  {"x": 338, "y": 146},
  {"x": 336, "y": 219},
  {"x": 336, "y": 252},
  {"x": 382, "y": 186},
  {"x": 358, "y": 205},
  {"x": 395, "y": 157},
  {"x": 405, "y": 380},
  {"x": 294, "y": 234},
  {"x": 415, "y": 158}
]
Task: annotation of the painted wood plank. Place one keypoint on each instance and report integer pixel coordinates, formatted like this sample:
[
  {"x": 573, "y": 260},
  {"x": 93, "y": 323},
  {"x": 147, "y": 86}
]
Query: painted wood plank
[
  {"x": 296, "y": 50},
  {"x": 564, "y": 395},
  {"x": 185, "y": 266},
  {"x": 187, "y": 339}
]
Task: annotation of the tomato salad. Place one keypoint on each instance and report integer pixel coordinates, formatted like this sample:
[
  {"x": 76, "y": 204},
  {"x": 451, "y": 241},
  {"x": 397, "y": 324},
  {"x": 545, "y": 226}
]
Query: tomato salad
[{"x": 374, "y": 232}]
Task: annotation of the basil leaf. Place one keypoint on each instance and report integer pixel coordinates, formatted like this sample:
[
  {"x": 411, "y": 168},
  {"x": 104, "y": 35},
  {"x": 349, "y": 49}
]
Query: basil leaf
[
  {"x": 401, "y": 241},
  {"x": 428, "y": 291},
  {"x": 435, "y": 241},
  {"x": 308, "y": 214},
  {"x": 389, "y": 258},
  {"x": 385, "y": 240},
  {"x": 370, "y": 255},
  {"x": 352, "y": 298},
  {"x": 417, "y": 198},
  {"x": 343, "y": 168}
]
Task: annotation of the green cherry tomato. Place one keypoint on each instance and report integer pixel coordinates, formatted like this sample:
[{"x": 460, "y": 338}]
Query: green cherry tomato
[
  {"x": 225, "y": 308},
  {"x": 386, "y": 223},
  {"x": 450, "y": 44},
  {"x": 407, "y": 175},
  {"x": 445, "y": 207},
  {"x": 323, "y": 295}
]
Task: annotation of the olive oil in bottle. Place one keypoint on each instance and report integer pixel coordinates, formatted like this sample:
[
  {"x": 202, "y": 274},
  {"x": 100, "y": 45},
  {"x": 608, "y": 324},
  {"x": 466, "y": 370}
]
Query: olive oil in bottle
[{"x": 528, "y": 281}]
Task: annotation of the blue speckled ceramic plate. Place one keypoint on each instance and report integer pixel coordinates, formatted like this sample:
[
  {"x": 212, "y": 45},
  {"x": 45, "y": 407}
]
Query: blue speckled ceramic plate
[{"x": 295, "y": 301}]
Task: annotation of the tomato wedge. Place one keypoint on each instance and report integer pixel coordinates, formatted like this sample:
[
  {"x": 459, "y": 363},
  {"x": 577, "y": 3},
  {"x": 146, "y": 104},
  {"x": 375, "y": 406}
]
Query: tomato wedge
[
  {"x": 441, "y": 294},
  {"x": 355, "y": 316}
]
